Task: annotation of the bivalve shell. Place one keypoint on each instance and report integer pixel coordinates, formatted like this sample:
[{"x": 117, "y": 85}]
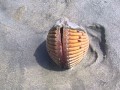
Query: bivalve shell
[{"x": 67, "y": 43}]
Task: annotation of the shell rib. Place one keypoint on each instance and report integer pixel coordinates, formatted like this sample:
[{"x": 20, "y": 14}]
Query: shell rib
[{"x": 67, "y": 45}]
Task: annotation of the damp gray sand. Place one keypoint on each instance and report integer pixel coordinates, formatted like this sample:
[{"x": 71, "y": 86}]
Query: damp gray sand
[{"x": 24, "y": 61}]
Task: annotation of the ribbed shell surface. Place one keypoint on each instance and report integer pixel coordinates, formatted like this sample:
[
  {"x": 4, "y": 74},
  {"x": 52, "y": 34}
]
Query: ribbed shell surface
[{"x": 67, "y": 47}]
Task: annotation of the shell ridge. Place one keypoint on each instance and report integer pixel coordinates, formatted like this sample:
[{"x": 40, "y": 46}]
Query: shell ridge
[{"x": 67, "y": 43}]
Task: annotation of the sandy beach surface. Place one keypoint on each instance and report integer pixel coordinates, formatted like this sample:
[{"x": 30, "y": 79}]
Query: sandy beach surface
[{"x": 24, "y": 61}]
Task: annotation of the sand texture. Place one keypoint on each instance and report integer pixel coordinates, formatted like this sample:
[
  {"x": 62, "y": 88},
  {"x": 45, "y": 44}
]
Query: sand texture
[{"x": 24, "y": 61}]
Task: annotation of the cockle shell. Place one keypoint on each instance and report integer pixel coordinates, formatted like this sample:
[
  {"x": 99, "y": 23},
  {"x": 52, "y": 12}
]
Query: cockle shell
[{"x": 67, "y": 43}]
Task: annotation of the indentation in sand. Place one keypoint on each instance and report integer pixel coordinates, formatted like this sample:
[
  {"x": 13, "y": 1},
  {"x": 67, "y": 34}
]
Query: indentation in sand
[{"x": 98, "y": 46}]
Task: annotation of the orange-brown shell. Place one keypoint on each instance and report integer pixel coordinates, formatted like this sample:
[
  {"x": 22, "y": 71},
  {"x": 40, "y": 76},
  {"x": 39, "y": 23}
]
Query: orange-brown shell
[{"x": 67, "y": 47}]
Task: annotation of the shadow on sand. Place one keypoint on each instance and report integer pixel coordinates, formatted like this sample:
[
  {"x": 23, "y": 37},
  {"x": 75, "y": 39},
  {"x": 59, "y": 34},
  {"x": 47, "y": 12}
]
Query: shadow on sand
[{"x": 43, "y": 58}]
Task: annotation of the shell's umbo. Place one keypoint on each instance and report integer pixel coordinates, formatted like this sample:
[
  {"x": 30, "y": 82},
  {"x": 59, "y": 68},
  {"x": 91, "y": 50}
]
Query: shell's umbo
[{"x": 67, "y": 43}]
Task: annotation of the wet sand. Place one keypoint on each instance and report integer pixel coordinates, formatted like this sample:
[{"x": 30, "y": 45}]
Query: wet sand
[{"x": 24, "y": 61}]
